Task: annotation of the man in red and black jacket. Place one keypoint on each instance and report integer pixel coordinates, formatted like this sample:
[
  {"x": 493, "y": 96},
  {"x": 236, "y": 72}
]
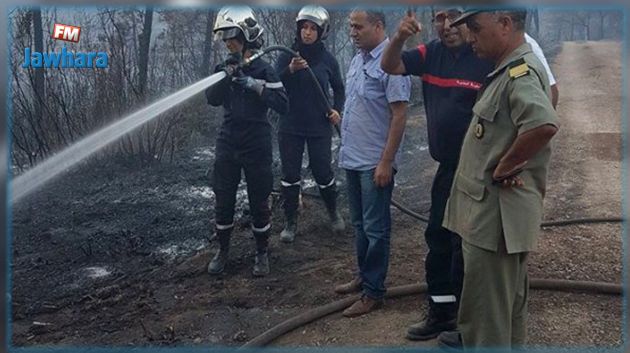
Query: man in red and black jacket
[{"x": 451, "y": 75}]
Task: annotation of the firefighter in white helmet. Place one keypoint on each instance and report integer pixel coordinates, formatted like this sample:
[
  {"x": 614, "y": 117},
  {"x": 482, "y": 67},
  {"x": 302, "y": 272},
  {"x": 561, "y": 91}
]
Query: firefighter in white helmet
[
  {"x": 309, "y": 120},
  {"x": 244, "y": 138}
]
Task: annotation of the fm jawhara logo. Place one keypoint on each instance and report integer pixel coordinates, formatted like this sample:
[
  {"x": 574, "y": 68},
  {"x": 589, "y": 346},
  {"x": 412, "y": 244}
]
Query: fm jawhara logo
[{"x": 65, "y": 58}]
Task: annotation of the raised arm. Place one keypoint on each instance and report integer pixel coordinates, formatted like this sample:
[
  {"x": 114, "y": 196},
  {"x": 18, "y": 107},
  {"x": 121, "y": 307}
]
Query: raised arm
[{"x": 391, "y": 61}]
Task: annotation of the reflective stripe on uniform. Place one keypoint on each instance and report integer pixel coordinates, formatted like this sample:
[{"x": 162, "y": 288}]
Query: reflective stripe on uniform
[
  {"x": 224, "y": 227},
  {"x": 288, "y": 185},
  {"x": 263, "y": 229},
  {"x": 443, "y": 298},
  {"x": 274, "y": 84},
  {"x": 332, "y": 182}
]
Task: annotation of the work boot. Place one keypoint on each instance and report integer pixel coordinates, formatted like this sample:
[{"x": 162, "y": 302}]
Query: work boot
[
  {"x": 261, "y": 263},
  {"x": 336, "y": 222},
  {"x": 220, "y": 259},
  {"x": 450, "y": 340},
  {"x": 291, "y": 194},
  {"x": 435, "y": 323},
  {"x": 329, "y": 195},
  {"x": 362, "y": 306},
  {"x": 353, "y": 286},
  {"x": 290, "y": 229}
]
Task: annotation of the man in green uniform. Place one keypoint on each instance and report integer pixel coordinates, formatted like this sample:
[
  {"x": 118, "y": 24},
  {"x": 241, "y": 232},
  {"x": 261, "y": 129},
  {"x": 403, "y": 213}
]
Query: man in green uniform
[{"x": 496, "y": 201}]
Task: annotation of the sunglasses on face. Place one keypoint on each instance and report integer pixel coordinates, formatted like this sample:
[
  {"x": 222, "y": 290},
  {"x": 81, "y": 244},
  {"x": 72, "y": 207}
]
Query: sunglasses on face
[{"x": 441, "y": 17}]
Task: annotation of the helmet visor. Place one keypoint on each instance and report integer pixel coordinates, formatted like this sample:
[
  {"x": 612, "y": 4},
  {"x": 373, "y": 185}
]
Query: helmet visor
[{"x": 227, "y": 33}]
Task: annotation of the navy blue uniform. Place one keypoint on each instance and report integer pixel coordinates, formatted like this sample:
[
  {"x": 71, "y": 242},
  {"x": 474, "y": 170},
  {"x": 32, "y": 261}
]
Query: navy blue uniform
[
  {"x": 244, "y": 143},
  {"x": 451, "y": 79},
  {"x": 307, "y": 114},
  {"x": 307, "y": 123}
]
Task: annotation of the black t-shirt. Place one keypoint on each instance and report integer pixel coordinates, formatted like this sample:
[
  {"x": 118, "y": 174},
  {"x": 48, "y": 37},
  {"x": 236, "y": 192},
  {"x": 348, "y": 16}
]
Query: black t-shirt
[{"x": 449, "y": 85}]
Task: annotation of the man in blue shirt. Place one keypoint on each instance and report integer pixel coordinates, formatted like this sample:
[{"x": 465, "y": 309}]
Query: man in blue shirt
[{"x": 371, "y": 132}]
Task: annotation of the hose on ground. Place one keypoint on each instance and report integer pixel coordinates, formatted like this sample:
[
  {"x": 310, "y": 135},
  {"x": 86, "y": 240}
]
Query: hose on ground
[
  {"x": 406, "y": 210},
  {"x": 582, "y": 221},
  {"x": 567, "y": 222},
  {"x": 412, "y": 289}
]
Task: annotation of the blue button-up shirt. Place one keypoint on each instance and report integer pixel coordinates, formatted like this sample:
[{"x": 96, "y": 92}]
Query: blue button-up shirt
[{"x": 367, "y": 115}]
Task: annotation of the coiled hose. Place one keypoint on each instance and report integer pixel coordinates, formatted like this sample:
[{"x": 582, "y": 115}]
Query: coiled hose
[{"x": 413, "y": 289}]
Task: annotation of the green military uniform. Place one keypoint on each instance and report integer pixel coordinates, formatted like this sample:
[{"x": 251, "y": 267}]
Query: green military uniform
[{"x": 499, "y": 226}]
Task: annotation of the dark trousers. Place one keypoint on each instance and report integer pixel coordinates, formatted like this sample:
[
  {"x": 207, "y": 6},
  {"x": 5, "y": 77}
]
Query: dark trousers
[
  {"x": 259, "y": 179},
  {"x": 319, "y": 155},
  {"x": 444, "y": 264}
]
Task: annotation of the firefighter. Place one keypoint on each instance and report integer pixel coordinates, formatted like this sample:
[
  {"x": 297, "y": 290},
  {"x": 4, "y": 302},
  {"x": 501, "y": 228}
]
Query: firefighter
[
  {"x": 244, "y": 138},
  {"x": 309, "y": 120}
]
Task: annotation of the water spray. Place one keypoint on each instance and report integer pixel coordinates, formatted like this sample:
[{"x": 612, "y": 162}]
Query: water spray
[{"x": 78, "y": 151}]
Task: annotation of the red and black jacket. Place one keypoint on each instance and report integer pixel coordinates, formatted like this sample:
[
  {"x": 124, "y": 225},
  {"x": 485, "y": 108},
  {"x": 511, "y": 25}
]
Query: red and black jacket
[{"x": 449, "y": 86}]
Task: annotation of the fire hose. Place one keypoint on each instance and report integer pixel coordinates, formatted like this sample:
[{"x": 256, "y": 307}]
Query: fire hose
[
  {"x": 406, "y": 210},
  {"x": 318, "y": 88},
  {"x": 414, "y": 289}
]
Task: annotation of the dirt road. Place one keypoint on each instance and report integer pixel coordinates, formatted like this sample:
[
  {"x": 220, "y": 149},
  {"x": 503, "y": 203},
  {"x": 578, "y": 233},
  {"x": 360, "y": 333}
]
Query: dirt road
[{"x": 587, "y": 155}]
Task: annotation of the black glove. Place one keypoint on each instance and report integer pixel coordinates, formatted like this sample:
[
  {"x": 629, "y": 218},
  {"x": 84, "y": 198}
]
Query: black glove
[
  {"x": 250, "y": 83},
  {"x": 231, "y": 64},
  {"x": 233, "y": 59}
]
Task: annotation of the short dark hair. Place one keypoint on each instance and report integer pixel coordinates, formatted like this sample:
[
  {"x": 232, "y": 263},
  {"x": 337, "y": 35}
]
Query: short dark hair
[
  {"x": 372, "y": 15},
  {"x": 518, "y": 16},
  {"x": 376, "y": 16}
]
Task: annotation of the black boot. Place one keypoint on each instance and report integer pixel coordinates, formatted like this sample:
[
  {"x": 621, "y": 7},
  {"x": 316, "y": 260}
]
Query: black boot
[
  {"x": 441, "y": 317},
  {"x": 291, "y": 200},
  {"x": 450, "y": 340},
  {"x": 290, "y": 229},
  {"x": 218, "y": 262},
  {"x": 329, "y": 195},
  {"x": 261, "y": 264}
]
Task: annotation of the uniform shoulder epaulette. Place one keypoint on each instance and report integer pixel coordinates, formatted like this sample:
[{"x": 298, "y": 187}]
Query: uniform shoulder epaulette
[{"x": 518, "y": 68}]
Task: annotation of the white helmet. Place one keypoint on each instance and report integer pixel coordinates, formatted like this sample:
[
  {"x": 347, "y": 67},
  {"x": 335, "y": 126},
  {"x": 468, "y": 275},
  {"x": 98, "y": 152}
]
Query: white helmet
[
  {"x": 232, "y": 19},
  {"x": 317, "y": 15}
]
